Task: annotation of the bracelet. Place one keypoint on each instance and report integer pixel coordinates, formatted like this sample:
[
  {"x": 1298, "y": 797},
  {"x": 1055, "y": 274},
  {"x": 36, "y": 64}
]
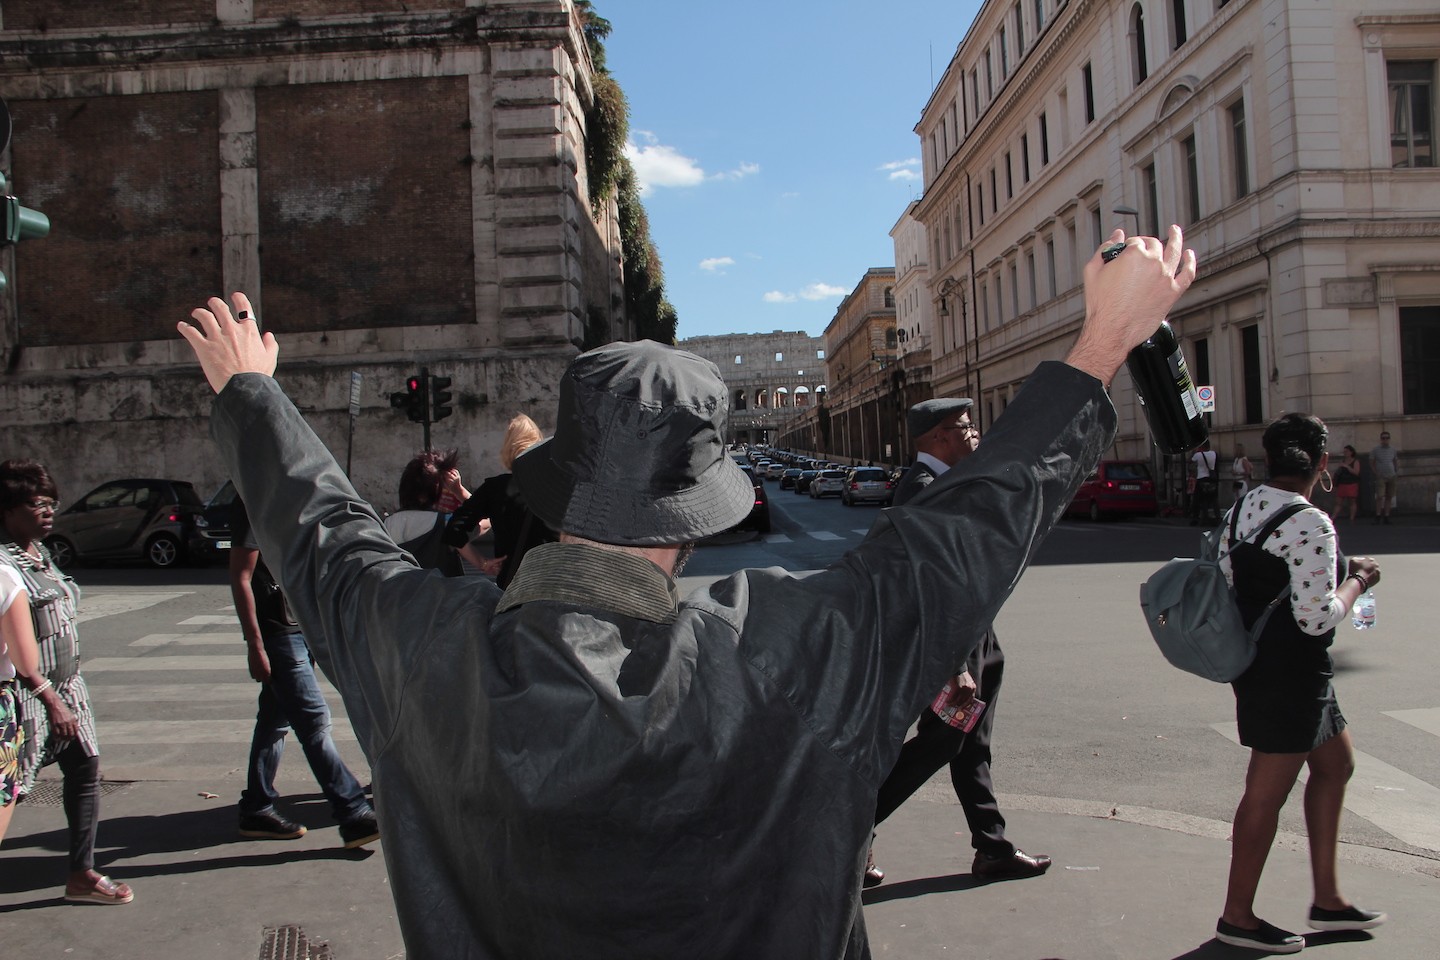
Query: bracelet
[
  {"x": 36, "y": 691},
  {"x": 1364, "y": 584}
]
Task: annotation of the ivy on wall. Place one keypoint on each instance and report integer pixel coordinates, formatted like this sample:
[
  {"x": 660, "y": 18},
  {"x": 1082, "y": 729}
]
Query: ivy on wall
[{"x": 611, "y": 175}]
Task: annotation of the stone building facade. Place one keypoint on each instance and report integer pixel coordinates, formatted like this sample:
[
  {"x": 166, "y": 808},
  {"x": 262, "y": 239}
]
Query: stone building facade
[
  {"x": 1293, "y": 142},
  {"x": 771, "y": 378},
  {"x": 395, "y": 185}
]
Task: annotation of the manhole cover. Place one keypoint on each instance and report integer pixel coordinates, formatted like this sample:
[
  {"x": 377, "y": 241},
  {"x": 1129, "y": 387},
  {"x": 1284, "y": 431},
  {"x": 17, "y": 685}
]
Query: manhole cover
[
  {"x": 51, "y": 792},
  {"x": 289, "y": 942}
]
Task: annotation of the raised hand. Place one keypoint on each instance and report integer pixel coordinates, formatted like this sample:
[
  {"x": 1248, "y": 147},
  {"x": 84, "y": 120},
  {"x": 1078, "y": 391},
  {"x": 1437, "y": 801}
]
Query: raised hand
[{"x": 226, "y": 345}]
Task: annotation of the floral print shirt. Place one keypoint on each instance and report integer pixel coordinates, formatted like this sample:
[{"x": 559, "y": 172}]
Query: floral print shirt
[{"x": 1306, "y": 542}]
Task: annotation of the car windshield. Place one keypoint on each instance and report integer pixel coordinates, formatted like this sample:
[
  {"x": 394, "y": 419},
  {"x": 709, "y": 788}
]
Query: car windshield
[
  {"x": 187, "y": 496},
  {"x": 833, "y": 474},
  {"x": 870, "y": 473},
  {"x": 1127, "y": 471}
]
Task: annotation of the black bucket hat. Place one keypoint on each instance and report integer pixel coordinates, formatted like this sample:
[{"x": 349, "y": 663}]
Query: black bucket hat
[{"x": 638, "y": 456}]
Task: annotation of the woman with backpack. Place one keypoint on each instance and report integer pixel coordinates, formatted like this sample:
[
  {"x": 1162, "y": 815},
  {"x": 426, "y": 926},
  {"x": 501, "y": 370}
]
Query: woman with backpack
[{"x": 1284, "y": 703}]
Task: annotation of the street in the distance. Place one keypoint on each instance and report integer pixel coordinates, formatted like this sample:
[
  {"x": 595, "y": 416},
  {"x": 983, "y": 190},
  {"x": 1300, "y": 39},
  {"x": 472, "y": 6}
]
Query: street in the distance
[{"x": 1122, "y": 768}]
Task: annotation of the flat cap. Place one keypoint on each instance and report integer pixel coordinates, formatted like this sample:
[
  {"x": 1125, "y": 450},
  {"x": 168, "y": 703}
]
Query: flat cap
[{"x": 928, "y": 414}]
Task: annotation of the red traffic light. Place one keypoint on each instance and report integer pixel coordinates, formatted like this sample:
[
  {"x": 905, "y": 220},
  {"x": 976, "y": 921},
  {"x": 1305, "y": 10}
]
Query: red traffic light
[{"x": 413, "y": 384}]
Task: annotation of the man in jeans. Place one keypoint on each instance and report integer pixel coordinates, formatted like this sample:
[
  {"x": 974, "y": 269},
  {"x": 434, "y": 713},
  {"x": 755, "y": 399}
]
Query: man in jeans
[
  {"x": 1385, "y": 460},
  {"x": 290, "y": 697}
]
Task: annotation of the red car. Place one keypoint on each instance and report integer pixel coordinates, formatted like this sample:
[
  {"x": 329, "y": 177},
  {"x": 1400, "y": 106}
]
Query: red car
[{"x": 1117, "y": 486}]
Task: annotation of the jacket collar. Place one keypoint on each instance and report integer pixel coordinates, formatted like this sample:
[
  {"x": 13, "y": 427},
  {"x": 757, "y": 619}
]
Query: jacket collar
[{"x": 577, "y": 573}]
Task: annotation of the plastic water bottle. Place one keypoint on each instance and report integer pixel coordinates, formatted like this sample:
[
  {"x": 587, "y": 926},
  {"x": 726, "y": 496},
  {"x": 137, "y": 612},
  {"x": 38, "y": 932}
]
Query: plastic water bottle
[{"x": 1363, "y": 613}]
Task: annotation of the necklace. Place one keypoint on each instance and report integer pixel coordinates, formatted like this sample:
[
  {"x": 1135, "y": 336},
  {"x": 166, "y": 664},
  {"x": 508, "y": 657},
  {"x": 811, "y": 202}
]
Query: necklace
[{"x": 27, "y": 559}]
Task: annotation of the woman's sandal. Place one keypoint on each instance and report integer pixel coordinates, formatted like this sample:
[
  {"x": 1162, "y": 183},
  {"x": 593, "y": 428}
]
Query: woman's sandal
[{"x": 104, "y": 891}]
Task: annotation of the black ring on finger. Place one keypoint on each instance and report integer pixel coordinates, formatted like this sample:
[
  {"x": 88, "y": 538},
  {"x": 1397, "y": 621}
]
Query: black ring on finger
[{"x": 243, "y": 315}]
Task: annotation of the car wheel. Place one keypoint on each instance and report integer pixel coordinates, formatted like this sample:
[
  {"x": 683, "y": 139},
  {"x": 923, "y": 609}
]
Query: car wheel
[
  {"x": 162, "y": 551},
  {"x": 61, "y": 552},
  {"x": 1095, "y": 510}
]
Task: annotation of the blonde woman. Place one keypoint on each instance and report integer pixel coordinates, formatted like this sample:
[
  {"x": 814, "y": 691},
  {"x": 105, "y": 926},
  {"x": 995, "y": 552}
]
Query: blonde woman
[{"x": 516, "y": 529}]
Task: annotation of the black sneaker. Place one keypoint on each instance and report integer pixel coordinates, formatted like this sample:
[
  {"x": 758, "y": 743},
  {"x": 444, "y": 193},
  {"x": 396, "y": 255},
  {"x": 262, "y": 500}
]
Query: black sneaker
[
  {"x": 269, "y": 826},
  {"x": 1268, "y": 938},
  {"x": 1351, "y": 918},
  {"x": 360, "y": 831}
]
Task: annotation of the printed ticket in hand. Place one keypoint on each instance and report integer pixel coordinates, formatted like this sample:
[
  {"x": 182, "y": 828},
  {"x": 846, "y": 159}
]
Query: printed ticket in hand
[{"x": 947, "y": 707}]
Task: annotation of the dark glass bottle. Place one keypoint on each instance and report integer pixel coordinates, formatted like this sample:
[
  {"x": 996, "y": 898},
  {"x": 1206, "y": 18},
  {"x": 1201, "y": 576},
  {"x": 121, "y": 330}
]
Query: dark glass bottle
[{"x": 1163, "y": 384}]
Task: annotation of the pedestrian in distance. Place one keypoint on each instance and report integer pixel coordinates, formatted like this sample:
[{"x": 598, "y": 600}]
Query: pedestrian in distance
[
  {"x": 1285, "y": 703},
  {"x": 1204, "y": 504},
  {"x": 1347, "y": 484},
  {"x": 290, "y": 699},
  {"x": 430, "y": 490},
  {"x": 1385, "y": 461},
  {"x": 591, "y": 764},
  {"x": 1241, "y": 472},
  {"x": 55, "y": 719},
  {"x": 948, "y": 731}
]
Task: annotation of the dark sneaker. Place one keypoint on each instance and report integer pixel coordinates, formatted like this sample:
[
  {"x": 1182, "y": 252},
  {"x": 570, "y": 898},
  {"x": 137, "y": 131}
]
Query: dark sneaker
[
  {"x": 269, "y": 826},
  {"x": 1268, "y": 938},
  {"x": 360, "y": 831},
  {"x": 1351, "y": 918}
]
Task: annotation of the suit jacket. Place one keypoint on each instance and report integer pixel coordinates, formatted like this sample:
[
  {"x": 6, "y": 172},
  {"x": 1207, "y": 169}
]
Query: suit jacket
[{"x": 917, "y": 478}]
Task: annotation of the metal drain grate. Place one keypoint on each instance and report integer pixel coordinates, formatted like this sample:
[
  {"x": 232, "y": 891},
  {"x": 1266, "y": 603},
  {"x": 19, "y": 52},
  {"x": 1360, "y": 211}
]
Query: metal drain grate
[
  {"x": 289, "y": 942},
  {"x": 50, "y": 793}
]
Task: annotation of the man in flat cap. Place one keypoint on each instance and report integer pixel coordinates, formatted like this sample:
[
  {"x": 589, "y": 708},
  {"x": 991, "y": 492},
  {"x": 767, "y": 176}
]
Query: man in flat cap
[
  {"x": 955, "y": 728},
  {"x": 591, "y": 765}
]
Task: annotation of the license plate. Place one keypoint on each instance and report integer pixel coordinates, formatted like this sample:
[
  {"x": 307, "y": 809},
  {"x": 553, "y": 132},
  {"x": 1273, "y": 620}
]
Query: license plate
[
  {"x": 1129, "y": 486},
  {"x": 222, "y": 544}
]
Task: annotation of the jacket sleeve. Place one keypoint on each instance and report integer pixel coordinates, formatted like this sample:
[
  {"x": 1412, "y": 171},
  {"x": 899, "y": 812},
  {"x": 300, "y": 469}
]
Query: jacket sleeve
[
  {"x": 366, "y": 608},
  {"x": 861, "y": 647}
]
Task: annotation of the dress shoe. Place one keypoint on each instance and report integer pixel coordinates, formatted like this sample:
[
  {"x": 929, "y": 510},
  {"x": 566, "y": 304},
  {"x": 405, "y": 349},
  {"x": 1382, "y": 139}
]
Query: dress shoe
[
  {"x": 874, "y": 876},
  {"x": 1018, "y": 864}
]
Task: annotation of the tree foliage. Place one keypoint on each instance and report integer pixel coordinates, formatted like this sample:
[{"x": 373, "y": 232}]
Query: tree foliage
[{"x": 611, "y": 174}]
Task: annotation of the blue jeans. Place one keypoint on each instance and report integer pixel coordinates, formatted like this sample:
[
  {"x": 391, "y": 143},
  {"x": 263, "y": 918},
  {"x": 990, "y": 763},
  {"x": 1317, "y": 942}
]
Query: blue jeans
[{"x": 292, "y": 699}]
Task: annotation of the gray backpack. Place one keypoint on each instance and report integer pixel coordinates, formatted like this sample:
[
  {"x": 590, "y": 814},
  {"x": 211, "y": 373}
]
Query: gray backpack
[{"x": 1191, "y": 609}]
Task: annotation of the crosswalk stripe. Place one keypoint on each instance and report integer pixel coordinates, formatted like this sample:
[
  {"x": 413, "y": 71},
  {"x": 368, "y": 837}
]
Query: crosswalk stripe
[
  {"x": 776, "y": 538},
  {"x": 189, "y": 639},
  {"x": 209, "y": 619},
  {"x": 93, "y": 606},
  {"x": 825, "y": 535},
  {"x": 189, "y": 732},
  {"x": 1403, "y": 806},
  {"x": 240, "y": 691},
  {"x": 156, "y": 664},
  {"x": 1427, "y": 720},
  {"x": 861, "y": 531}
]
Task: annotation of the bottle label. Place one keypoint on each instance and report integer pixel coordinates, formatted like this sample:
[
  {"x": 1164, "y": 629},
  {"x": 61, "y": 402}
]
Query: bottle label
[{"x": 1188, "y": 396}]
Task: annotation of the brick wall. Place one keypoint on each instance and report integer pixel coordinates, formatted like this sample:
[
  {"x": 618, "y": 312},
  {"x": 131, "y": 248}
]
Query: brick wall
[
  {"x": 130, "y": 184},
  {"x": 47, "y": 15},
  {"x": 365, "y": 215}
]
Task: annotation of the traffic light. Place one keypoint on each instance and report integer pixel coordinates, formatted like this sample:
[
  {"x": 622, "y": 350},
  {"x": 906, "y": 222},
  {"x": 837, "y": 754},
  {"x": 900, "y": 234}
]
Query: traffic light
[
  {"x": 440, "y": 399},
  {"x": 414, "y": 399},
  {"x": 18, "y": 223}
]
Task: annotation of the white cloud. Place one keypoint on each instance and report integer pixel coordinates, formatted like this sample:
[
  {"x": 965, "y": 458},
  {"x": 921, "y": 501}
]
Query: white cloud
[
  {"x": 746, "y": 169},
  {"x": 717, "y": 264},
  {"x": 904, "y": 175},
  {"x": 815, "y": 291},
  {"x": 897, "y": 164},
  {"x": 657, "y": 165}
]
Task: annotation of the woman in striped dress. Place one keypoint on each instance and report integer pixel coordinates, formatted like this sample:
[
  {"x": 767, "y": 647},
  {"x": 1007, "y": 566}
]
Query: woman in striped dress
[{"x": 54, "y": 705}]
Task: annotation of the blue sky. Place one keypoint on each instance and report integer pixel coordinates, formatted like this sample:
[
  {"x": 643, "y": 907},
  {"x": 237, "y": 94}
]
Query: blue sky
[{"x": 776, "y": 145}]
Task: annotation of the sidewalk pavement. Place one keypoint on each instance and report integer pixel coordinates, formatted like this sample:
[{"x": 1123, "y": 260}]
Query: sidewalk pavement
[{"x": 1135, "y": 885}]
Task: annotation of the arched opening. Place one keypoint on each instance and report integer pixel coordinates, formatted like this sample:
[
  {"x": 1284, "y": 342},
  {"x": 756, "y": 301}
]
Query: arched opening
[
  {"x": 762, "y": 399},
  {"x": 782, "y": 398},
  {"x": 739, "y": 400},
  {"x": 1139, "y": 61},
  {"x": 802, "y": 397}
]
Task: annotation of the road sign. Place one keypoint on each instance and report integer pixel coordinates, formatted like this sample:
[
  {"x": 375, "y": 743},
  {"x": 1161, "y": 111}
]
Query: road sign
[
  {"x": 1207, "y": 399},
  {"x": 354, "y": 393}
]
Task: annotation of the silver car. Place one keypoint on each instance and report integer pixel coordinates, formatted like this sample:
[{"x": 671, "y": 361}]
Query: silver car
[
  {"x": 149, "y": 520},
  {"x": 867, "y": 485},
  {"x": 827, "y": 482}
]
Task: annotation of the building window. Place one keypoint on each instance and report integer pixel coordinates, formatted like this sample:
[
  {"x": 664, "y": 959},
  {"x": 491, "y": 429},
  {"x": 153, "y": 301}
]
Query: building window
[
  {"x": 1015, "y": 289},
  {"x": 890, "y": 297},
  {"x": 1097, "y": 229},
  {"x": 1152, "y": 197},
  {"x": 1072, "y": 237},
  {"x": 989, "y": 78},
  {"x": 979, "y": 204},
  {"x": 994, "y": 194},
  {"x": 1139, "y": 63},
  {"x": 1019, "y": 30},
  {"x": 1039, "y": 14},
  {"x": 975, "y": 90},
  {"x": 1177, "y": 29},
  {"x": 1420, "y": 358},
  {"x": 954, "y": 123},
  {"x": 1087, "y": 73},
  {"x": 779, "y": 358},
  {"x": 1025, "y": 157},
  {"x": 1202, "y": 362},
  {"x": 984, "y": 305},
  {"x": 1050, "y": 266},
  {"x": 1030, "y": 275},
  {"x": 1004, "y": 54},
  {"x": 1044, "y": 140},
  {"x": 819, "y": 354},
  {"x": 738, "y": 359},
  {"x": 1009, "y": 178},
  {"x": 1412, "y": 112},
  {"x": 1240, "y": 151},
  {"x": 1192, "y": 178},
  {"x": 1251, "y": 379}
]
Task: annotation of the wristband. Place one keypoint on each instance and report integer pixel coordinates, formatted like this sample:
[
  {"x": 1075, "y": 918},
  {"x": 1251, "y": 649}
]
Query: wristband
[
  {"x": 41, "y": 688},
  {"x": 1364, "y": 584}
]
